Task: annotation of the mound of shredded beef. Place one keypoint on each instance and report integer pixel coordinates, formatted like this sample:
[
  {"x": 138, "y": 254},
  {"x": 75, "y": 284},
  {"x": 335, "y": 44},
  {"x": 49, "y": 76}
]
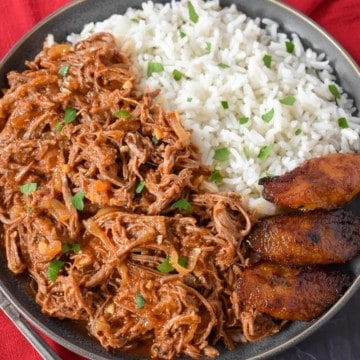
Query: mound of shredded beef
[{"x": 100, "y": 202}]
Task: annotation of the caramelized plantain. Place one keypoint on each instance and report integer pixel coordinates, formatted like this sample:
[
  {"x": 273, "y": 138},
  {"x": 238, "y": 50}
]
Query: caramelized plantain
[
  {"x": 314, "y": 237},
  {"x": 324, "y": 182},
  {"x": 289, "y": 293}
]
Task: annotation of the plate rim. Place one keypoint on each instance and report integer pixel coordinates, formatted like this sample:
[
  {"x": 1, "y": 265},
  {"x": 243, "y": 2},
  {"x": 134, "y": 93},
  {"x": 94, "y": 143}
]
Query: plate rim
[{"x": 314, "y": 325}]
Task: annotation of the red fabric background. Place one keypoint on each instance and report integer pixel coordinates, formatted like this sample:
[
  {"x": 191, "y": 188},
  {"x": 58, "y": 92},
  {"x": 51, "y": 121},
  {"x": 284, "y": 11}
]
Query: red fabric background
[{"x": 341, "y": 18}]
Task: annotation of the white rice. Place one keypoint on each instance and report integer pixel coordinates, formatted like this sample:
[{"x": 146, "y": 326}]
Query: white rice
[{"x": 249, "y": 87}]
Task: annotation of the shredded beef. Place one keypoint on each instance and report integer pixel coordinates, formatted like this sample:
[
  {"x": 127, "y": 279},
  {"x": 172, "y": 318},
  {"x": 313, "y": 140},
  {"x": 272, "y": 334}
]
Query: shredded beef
[{"x": 132, "y": 161}]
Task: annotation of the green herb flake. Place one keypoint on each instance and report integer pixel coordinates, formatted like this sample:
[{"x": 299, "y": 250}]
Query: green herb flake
[
  {"x": 265, "y": 152},
  {"x": 223, "y": 66},
  {"x": 135, "y": 21},
  {"x": 165, "y": 266},
  {"x": 177, "y": 75},
  {"x": 140, "y": 187},
  {"x": 221, "y": 154},
  {"x": 243, "y": 120},
  {"x": 28, "y": 188},
  {"x": 58, "y": 127},
  {"x": 76, "y": 248},
  {"x": 216, "y": 177},
  {"x": 154, "y": 67},
  {"x": 267, "y": 117},
  {"x": 77, "y": 201},
  {"x": 289, "y": 100},
  {"x": 69, "y": 115},
  {"x": 65, "y": 248},
  {"x": 155, "y": 140},
  {"x": 183, "y": 261},
  {"x": 182, "y": 204},
  {"x": 269, "y": 174},
  {"x": 208, "y": 47},
  {"x": 28, "y": 208},
  {"x": 289, "y": 47},
  {"x": 343, "y": 124},
  {"x": 298, "y": 132},
  {"x": 267, "y": 60},
  {"x": 122, "y": 114},
  {"x": 225, "y": 105},
  {"x": 334, "y": 91},
  {"x": 246, "y": 151},
  {"x": 193, "y": 16},
  {"x": 181, "y": 34},
  {"x": 54, "y": 268},
  {"x": 64, "y": 70},
  {"x": 139, "y": 301},
  {"x": 189, "y": 99}
]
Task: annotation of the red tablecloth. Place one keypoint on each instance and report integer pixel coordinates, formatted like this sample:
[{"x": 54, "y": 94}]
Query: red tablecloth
[{"x": 341, "y": 18}]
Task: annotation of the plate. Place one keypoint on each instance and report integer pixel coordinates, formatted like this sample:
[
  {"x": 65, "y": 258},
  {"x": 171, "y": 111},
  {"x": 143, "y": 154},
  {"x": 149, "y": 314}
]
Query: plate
[{"x": 71, "y": 18}]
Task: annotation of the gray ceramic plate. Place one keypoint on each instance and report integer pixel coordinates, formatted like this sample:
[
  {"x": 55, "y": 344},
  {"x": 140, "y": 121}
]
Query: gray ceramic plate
[{"x": 71, "y": 19}]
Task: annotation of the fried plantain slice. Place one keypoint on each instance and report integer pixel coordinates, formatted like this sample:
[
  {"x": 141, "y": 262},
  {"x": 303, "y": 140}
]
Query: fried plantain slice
[
  {"x": 324, "y": 182},
  {"x": 307, "y": 238},
  {"x": 289, "y": 293}
]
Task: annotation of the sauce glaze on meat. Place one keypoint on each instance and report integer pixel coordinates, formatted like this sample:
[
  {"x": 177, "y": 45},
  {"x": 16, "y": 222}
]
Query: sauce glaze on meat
[{"x": 120, "y": 139}]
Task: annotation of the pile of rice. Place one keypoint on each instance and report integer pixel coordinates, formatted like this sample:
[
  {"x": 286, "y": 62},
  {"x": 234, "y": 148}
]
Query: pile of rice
[{"x": 227, "y": 88}]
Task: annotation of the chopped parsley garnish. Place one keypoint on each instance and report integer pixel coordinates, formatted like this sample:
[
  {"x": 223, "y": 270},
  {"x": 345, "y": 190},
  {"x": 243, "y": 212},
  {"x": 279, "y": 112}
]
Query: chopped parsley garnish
[
  {"x": 134, "y": 20},
  {"x": 221, "y": 154},
  {"x": 177, "y": 75},
  {"x": 54, "y": 268},
  {"x": 225, "y": 105},
  {"x": 154, "y": 67},
  {"x": 189, "y": 99},
  {"x": 343, "y": 124},
  {"x": 289, "y": 100},
  {"x": 223, "y": 66},
  {"x": 181, "y": 34},
  {"x": 165, "y": 266},
  {"x": 122, "y": 114},
  {"x": 267, "y": 117},
  {"x": 246, "y": 151},
  {"x": 243, "y": 120},
  {"x": 182, "y": 204},
  {"x": 183, "y": 261},
  {"x": 208, "y": 47},
  {"x": 289, "y": 47},
  {"x": 28, "y": 188},
  {"x": 216, "y": 177},
  {"x": 77, "y": 201},
  {"x": 140, "y": 187},
  {"x": 193, "y": 16},
  {"x": 334, "y": 91},
  {"x": 64, "y": 70},
  {"x": 154, "y": 140},
  {"x": 298, "y": 132},
  {"x": 65, "y": 248},
  {"x": 139, "y": 301},
  {"x": 267, "y": 61},
  {"x": 265, "y": 152},
  {"x": 69, "y": 115},
  {"x": 58, "y": 127}
]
